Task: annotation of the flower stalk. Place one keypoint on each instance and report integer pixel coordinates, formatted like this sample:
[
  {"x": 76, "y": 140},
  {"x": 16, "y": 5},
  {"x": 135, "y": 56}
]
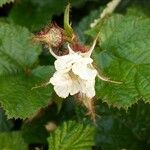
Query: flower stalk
[{"x": 111, "y": 6}]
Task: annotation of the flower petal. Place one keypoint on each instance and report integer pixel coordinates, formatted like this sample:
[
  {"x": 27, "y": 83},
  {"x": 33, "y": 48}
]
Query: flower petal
[
  {"x": 88, "y": 88},
  {"x": 61, "y": 84},
  {"x": 64, "y": 85},
  {"x": 65, "y": 62},
  {"x": 83, "y": 69},
  {"x": 75, "y": 87}
]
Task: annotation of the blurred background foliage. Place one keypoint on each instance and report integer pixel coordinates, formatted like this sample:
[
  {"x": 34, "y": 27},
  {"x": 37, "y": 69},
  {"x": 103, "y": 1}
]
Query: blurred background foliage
[{"x": 115, "y": 128}]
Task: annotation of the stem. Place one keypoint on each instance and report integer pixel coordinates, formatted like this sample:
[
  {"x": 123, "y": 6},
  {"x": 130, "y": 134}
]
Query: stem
[
  {"x": 67, "y": 26},
  {"x": 111, "y": 6},
  {"x": 103, "y": 78}
]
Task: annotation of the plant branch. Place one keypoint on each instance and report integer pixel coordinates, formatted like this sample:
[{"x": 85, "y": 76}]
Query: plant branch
[{"x": 108, "y": 10}]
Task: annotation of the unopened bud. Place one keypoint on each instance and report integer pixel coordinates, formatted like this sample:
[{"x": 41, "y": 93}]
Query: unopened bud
[{"x": 52, "y": 35}]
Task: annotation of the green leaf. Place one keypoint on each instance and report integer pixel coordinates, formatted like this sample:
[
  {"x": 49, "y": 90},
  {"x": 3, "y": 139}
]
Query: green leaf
[
  {"x": 72, "y": 135},
  {"x": 17, "y": 51},
  {"x": 12, "y": 141},
  {"x": 117, "y": 129},
  {"x": 2, "y": 2},
  {"x": 44, "y": 72},
  {"x": 135, "y": 11},
  {"x": 124, "y": 55},
  {"x": 18, "y": 98},
  {"x": 18, "y": 74}
]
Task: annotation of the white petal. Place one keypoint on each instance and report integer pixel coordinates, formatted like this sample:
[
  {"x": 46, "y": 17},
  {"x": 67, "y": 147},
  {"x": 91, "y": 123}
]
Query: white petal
[
  {"x": 82, "y": 85},
  {"x": 83, "y": 69},
  {"x": 65, "y": 62},
  {"x": 75, "y": 87},
  {"x": 88, "y": 88},
  {"x": 62, "y": 84},
  {"x": 62, "y": 91}
]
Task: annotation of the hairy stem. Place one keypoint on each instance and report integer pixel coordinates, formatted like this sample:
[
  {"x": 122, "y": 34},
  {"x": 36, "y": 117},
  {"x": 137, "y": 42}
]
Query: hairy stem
[{"x": 108, "y": 10}]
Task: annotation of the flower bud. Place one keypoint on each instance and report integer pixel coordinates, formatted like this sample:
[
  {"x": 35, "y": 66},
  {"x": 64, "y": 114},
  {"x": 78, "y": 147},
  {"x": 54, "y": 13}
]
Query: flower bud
[{"x": 52, "y": 36}]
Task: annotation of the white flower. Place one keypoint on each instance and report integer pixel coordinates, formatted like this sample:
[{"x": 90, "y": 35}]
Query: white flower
[{"x": 74, "y": 74}]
